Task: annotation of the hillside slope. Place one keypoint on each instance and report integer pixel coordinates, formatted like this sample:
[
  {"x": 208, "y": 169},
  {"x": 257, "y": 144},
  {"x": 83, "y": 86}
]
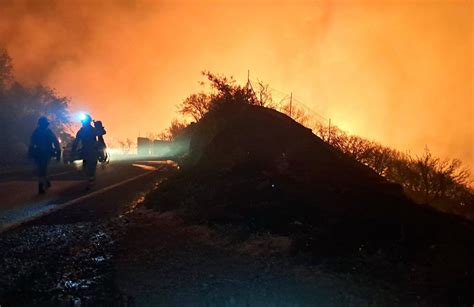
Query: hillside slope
[{"x": 258, "y": 169}]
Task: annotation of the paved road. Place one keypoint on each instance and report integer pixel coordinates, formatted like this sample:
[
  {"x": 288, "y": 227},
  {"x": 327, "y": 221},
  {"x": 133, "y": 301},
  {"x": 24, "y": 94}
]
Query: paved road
[{"x": 19, "y": 201}]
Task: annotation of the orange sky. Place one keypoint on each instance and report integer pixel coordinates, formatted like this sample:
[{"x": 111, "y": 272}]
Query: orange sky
[{"x": 399, "y": 72}]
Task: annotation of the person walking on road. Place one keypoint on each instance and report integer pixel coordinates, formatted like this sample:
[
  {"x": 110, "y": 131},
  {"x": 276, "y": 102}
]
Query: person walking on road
[
  {"x": 43, "y": 146},
  {"x": 87, "y": 136}
]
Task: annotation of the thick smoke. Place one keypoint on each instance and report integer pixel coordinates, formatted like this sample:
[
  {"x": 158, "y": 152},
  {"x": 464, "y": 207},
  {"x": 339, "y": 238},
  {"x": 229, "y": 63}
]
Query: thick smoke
[{"x": 397, "y": 72}]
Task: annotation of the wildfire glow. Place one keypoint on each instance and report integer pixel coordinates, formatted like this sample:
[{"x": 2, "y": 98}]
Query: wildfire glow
[{"x": 399, "y": 72}]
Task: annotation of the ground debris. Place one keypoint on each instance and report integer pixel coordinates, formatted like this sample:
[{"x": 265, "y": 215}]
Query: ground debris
[{"x": 56, "y": 263}]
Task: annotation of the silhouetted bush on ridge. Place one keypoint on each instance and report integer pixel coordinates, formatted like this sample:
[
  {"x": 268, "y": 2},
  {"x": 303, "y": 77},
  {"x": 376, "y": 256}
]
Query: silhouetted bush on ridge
[{"x": 443, "y": 184}]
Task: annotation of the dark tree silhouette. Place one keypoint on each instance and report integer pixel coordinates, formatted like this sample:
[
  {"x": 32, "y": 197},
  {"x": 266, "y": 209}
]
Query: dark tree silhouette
[
  {"x": 264, "y": 95},
  {"x": 21, "y": 107},
  {"x": 173, "y": 131},
  {"x": 195, "y": 106}
]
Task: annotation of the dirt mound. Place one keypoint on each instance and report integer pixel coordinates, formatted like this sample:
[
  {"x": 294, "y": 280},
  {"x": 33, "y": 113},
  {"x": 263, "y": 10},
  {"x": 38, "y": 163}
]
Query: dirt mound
[
  {"x": 256, "y": 167},
  {"x": 256, "y": 170},
  {"x": 244, "y": 141},
  {"x": 239, "y": 134}
]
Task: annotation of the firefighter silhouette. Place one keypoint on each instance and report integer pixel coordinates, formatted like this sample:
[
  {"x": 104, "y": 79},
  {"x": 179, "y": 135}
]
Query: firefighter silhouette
[
  {"x": 92, "y": 145},
  {"x": 43, "y": 146}
]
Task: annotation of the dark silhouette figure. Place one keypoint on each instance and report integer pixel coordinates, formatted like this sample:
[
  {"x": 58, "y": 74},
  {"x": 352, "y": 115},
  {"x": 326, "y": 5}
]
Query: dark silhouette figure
[
  {"x": 103, "y": 155},
  {"x": 87, "y": 136},
  {"x": 43, "y": 146}
]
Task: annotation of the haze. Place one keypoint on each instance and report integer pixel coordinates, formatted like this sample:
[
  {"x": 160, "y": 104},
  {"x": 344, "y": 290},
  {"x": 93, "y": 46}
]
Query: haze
[{"x": 399, "y": 72}]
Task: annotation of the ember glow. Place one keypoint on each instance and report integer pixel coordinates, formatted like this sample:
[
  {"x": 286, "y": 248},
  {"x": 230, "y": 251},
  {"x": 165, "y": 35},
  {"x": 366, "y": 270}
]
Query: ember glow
[{"x": 399, "y": 72}]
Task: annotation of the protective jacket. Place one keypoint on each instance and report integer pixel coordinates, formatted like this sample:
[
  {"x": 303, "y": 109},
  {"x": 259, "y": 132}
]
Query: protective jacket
[
  {"x": 43, "y": 144},
  {"x": 87, "y": 136}
]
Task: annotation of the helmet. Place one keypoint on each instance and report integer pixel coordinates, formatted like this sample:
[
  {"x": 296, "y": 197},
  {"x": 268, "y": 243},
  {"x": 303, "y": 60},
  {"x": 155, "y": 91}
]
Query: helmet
[
  {"x": 85, "y": 118},
  {"x": 99, "y": 127},
  {"x": 43, "y": 121}
]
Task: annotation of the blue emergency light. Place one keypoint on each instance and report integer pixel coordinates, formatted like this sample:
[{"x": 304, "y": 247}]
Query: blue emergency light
[{"x": 84, "y": 117}]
